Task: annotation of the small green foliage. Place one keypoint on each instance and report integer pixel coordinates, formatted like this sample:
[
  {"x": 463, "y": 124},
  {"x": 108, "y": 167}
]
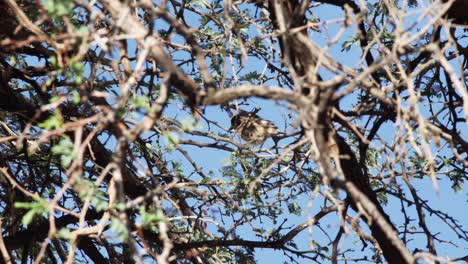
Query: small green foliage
[
  {"x": 388, "y": 38},
  {"x": 372, "y": 157},
  {"x": 82, "y": 30},
  {"x": 190, "y": 124},
  {"x": 198, "y": 3},
  {"x": 417, "y": 163},
  {"x": 65, "y": 149},
  {"x": 457, "y": 179},
  {"x": 88, "y": 190},
  {"x": 51, "y": 80},
  {"x": 120, "y": 228},
  {"x": 54, "y": 99},
  {"x": 348, "y": 44},
  {"x": 224, "y": 255},
  {"x": 13, "y": 60},
  {"x": 294, "y": 208},
  {"x": 58, "y": 8},
  {"x": 75, "y": 97},
  {"x": 382, "y": 195},
  {"x": 63, "y": 233},
  {"x": 149, "y": 219},
  {"x": 38, "y": 207},
  {"x": 172, "y": 139},
  {"x": 76, "y": 72},
  {"x": 251, "y": 77},
  {"x": 140, "y": 102},
  {"x": 177, "y": 168},
  {"x": 54, "y": 62},
  {"x": 54, "y": 121},
  {"x": 118, "y": 206},
  {"x": 231, "y": 172},
  {"x": 244, "y": 256}
]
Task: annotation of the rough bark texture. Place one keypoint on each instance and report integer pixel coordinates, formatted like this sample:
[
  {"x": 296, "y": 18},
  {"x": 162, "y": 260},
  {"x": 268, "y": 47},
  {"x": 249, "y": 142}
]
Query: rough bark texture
[{"x": 302, "y": 60}]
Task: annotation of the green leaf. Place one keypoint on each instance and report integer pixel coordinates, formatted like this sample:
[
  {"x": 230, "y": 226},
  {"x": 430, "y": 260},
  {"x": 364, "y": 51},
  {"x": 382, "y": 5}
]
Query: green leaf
[
  {"x": 65, "y": 149},
  {"x": 141, "y": 102},
  {"x": 172, "y": 139},
  {"x": 24, "y": 205},
  {"x": 198, "y": 3},
  {"x": 294, "y": 208},
  {"x": 76, "y": 97},
  {"x": 58, "y": 8},
  {"x": 148, "y": 219},
  {"x": 118, "y": 226},
  {"x": 28, "y": 217},
  {"x": 38, "y": 207},
  {"x": 76, "y": 72},
  {"x": 190, "y": 124},
  {"x": 63, "y": 233},
  {"x": 54, "y": 62},
  {"x": 100, "y": 204},
  {"x": 118, "y": 206},
  {"x": 54, "y": 121}
]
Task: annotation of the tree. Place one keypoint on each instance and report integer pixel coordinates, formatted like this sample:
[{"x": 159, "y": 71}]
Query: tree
[{"x": 115, "y": 144}]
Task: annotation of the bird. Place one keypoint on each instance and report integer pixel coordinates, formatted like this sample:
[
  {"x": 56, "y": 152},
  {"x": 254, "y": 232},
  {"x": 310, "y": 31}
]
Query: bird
[{"x": 252, "y": 128}]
